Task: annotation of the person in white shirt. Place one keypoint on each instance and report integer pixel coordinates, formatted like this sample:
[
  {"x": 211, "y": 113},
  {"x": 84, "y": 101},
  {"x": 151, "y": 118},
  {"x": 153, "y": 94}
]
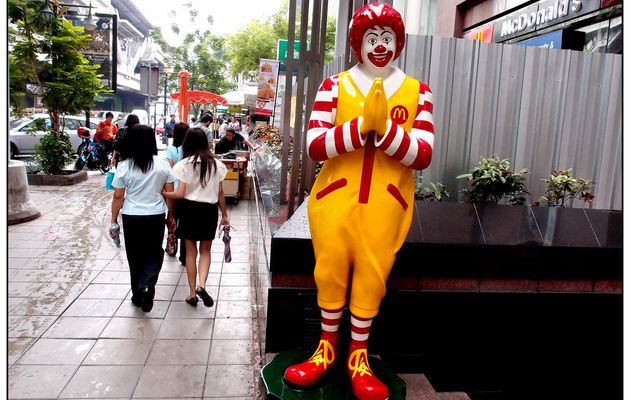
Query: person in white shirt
[
  {"x": 235, "y": 124},
  {"x": 142, "y": 176},
  {"x": 200, "y": 177}
]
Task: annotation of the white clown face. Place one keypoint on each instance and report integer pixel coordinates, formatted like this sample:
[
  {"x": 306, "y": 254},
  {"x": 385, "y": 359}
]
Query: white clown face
[{"x": 379, "y": 47}]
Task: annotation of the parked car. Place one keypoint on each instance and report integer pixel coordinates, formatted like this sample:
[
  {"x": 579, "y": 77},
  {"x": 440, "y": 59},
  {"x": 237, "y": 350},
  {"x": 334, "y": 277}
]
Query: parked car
[{"x": 24, "y": 133}]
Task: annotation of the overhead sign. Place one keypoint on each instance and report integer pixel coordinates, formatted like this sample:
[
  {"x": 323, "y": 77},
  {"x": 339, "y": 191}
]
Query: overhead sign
[
  {"x": 283, "y": 47},
  {"x": 551, "y": 40},
  {"x": 540, "y": 15}
]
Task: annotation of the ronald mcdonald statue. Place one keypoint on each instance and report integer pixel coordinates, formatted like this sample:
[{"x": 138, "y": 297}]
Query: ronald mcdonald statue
[{"x": 372, "y": 125}]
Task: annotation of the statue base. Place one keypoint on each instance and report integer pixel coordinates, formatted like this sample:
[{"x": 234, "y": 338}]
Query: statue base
[{"x": 335, "y": 385}]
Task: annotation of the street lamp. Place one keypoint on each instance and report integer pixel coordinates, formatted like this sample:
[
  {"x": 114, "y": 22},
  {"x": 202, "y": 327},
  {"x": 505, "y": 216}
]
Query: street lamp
[
  {"x": 89, "y": 24},
  {"x": 48, "y": 14},
  {"x": 166, "y": 72}
]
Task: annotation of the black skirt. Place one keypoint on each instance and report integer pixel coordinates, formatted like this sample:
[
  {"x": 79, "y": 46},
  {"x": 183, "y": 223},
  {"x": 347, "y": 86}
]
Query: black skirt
[{"x": 196, "y": 220}]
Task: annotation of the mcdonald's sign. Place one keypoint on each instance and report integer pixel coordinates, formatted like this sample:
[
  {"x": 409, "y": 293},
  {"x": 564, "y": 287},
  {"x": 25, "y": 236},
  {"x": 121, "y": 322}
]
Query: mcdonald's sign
[
  {"x": 482, "y": 34},
  {"x": 399, "y": 115}
]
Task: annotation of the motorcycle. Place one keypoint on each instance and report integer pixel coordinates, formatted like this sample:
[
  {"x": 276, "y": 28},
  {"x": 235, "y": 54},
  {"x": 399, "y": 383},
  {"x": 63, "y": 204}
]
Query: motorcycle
[{"x": 91, "y": 154}]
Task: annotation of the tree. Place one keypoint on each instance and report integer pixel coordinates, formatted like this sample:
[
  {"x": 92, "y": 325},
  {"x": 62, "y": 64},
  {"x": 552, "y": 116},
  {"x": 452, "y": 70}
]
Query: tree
[
  {"x": 259, "y": 40},
  {"x": 201, "y": 53},
  {"x": 46, "y": 58}
]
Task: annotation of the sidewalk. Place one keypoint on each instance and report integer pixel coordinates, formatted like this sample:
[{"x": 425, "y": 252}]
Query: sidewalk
[{"x": 73, "y": 332}]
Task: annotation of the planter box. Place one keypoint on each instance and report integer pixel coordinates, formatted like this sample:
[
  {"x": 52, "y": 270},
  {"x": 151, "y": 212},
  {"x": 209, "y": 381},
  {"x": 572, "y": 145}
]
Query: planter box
[
  {"x": 72, "y": 178},
  {"x": 523, "y": 302}
]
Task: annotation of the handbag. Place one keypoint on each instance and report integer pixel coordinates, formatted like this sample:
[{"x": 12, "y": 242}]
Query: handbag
[
  {"x": 171, "y": 244},
  {"x": 227, "y": 252},
  {"x": 109, "y": 179}
]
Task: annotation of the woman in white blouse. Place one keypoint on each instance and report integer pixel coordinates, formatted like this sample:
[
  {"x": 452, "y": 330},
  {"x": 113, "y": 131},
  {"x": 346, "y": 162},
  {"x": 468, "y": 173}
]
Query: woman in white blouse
[{"x": 199, "y": 175}]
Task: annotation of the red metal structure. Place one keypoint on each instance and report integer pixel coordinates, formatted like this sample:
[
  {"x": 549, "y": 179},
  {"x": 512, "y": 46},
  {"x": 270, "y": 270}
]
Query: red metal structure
[{"x": 185, "y": 96}]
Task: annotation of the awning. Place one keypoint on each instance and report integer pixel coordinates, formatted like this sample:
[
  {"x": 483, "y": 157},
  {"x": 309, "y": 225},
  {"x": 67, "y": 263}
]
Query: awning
[{"x": 198, "y": 96}]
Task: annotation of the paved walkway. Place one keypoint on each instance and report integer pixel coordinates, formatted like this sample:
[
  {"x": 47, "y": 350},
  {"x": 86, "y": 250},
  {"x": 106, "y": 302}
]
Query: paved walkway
[{"x": 73, "y": 332}]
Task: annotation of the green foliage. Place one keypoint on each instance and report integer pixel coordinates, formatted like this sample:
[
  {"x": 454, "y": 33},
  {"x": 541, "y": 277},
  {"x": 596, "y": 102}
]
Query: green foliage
[
  {"x": 561, "y": 186},
  {"x": 491, "y": 181},
  {"x": 46, "y": 58},
  {"x": 434, "y": 191},
  {"x": 53, "y": 153},
  {"x": 259, "y": 39},
  {"x": 201, "y": 53}
]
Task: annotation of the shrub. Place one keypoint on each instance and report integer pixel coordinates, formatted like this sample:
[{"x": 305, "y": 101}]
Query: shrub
[
  {"x": 53, "y": 153},
  {"x": 434, "y": 191},
  {"x": 561, "y": 186},
  {"x": 491, "y": 181}
]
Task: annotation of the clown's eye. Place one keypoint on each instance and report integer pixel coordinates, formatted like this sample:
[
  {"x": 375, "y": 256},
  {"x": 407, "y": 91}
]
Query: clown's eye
[
  {"x": 387, "y": 40},
  {"x": 372, "y": 41}
]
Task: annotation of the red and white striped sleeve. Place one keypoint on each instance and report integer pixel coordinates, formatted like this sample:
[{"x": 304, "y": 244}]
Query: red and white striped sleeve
[
  {"x": 413, "y": 149},
  {"x": 323, "y": 139}
]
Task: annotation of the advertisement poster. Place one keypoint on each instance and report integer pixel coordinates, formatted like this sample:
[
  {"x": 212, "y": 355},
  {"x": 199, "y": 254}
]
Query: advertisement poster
[{"x": 267, "y": 86}]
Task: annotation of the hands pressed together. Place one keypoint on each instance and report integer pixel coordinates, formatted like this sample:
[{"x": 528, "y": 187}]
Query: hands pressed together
[{"x": 375, "y": 110}]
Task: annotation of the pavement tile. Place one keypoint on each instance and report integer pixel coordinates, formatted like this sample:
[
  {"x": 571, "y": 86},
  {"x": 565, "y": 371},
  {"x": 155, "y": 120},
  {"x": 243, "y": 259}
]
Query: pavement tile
[
  {"x": 92, "y": 308},
  {"x": 20, "y": 326},
  {"x": 13, "y": 302},
  {"x": 235, "y": 280},
  {"x": 119, "y": 277},
  {"x": 23, "y": 289},
  {"x": 119, "y": 352},
  {"x": 223, "y": 381},
  {"x": 132, "y": 328},
  {"x": 181, "y": 309},
  {"x": 106, "y": 291},
  {"x": 242, "y": 293},
  {"x": 25, "y": 253},
  {"x": 231, "y": 352},
  {"x": 38, "y": 381},
  {"x": 84, "y": 276},
  {"x": 179, "y": 352},
  {"x": 57, "y": 351},
  {"x": 169, "y": 278},
  {"x": 91, "y": 381},
  {"x": 236, "y": 268},
  {"x": 16, "y": 347},
  {"x": 31, "y": 275},
  {"x": 186, "y": 329},
  {"x": 171, "y": 381},
  {"x": 128, "y": 309},
  {"x": 232, "y": 328},
  {"x": 233, "y": 309},
  {"x": 77, "y": 327}
]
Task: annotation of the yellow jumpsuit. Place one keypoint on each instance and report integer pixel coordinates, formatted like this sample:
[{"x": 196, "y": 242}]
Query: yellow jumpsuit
[{"x": 360, "y": 211}]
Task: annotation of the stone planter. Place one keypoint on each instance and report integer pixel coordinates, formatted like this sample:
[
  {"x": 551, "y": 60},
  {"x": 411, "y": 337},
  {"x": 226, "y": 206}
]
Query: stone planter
[
  {"x": 72, "y": 178},
  {"x": 20, "y": 207}
]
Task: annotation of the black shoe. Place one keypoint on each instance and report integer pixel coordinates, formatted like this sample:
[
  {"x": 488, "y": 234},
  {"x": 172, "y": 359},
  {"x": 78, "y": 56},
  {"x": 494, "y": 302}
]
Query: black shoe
[
  {"x": 207, "y": 300},
  {"x": 135, "y": 301},
  {"x": 147, "y": 299},
  {"x": 192, "y": 301}
]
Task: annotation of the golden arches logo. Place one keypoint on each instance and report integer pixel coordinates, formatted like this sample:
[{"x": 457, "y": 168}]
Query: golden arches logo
[{"x": 399, "y": 115}]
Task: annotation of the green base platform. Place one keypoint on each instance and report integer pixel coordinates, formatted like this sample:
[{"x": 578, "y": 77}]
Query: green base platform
[{"x": 334, "y": 386}]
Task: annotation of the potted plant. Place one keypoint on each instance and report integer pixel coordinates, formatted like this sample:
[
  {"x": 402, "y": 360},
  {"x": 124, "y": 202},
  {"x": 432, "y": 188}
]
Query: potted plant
[
  {"x": 562, "y": 187},
  {"x": 46, "y": 58},
  {"x": 492, "y": 181},
  {"x": 434, "y": 191}
]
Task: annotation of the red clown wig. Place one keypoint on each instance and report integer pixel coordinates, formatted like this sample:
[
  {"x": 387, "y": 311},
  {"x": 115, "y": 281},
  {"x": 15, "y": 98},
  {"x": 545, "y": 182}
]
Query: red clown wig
[{"x": 370, "y": 16}]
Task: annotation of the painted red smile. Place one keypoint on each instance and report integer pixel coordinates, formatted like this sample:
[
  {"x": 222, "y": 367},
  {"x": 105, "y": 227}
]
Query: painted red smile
[{"x": 380, "y": 60}]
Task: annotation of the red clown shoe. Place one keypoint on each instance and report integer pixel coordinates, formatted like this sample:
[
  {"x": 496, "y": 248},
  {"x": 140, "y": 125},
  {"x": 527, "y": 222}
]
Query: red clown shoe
[
  {"x": 365, "y": 386},
  {"x": 310, "y": 371}
]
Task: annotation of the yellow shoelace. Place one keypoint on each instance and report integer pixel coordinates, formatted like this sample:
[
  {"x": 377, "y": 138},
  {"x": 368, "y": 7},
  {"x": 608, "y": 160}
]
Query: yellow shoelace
[
  {"x": 357, "y": 362},
  {"x": 325, "y": 354}
]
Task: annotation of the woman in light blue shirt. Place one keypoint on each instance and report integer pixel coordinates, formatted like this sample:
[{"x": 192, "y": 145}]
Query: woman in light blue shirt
[
  {"x": 174, "y": 153},
  {"x": 140, "y": 179}
]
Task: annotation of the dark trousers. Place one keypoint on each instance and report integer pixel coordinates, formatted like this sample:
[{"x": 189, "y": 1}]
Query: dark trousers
[
  {"x": 182, "y": 242},
  {"x": 143, "y": 242}
]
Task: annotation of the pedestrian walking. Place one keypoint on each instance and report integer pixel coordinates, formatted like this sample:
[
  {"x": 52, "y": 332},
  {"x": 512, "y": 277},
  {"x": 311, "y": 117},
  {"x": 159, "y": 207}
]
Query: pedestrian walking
[
  {"x": 174, "y": 154},
  {"x": 200, "y": 175},
  {"x": 142, "y": 177},
  {"x": 119, "y": 153}
]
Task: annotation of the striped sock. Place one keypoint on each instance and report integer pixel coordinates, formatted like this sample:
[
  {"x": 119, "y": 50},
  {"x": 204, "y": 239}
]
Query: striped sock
[
  {"x": 359, "y": 332},
  {"x": 330, "y": 324}
]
